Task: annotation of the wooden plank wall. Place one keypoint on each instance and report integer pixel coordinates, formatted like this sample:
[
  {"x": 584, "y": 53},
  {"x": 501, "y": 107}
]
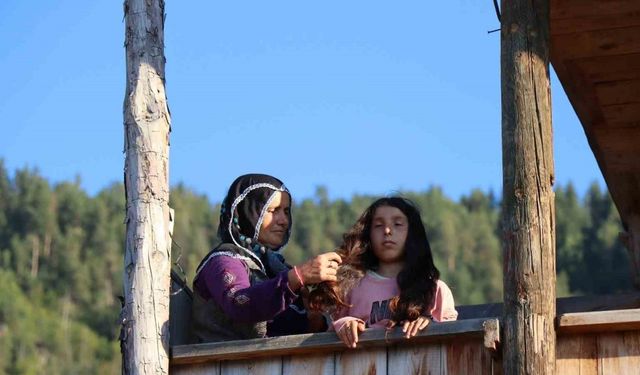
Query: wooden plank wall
[
  {"x": 438, "y": 358},
  {"x": 610, "y": 353}
]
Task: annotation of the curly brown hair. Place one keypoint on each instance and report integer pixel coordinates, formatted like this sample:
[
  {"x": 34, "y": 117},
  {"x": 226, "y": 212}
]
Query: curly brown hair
[{"x": 417, "y": 280}]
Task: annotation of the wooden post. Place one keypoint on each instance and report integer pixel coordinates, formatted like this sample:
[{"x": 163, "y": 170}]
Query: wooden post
[
  {"x": 147, "y": 263},
  {"x": 528, "y": 199}
]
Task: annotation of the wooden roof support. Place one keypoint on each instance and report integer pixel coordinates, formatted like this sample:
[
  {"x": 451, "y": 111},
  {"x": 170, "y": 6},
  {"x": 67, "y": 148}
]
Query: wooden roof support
[
  {"x": 528, "y": 198},
  {"x": 147, "y": 262}
]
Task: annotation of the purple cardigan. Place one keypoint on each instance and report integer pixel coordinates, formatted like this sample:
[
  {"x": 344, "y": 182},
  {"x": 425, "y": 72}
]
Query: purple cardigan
[{"x": 225, "y": 280}]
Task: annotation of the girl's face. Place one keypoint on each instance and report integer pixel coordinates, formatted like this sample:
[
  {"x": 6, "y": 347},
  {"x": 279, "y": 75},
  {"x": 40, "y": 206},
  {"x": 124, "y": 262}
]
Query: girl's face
[
  {"x": 275, "y": 222},
  {"x": 389, "y": 229}
]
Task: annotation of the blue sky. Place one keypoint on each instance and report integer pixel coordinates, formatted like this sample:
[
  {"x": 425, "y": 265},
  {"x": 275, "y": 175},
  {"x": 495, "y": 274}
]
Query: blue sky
[{"x": 361, "y": 97}]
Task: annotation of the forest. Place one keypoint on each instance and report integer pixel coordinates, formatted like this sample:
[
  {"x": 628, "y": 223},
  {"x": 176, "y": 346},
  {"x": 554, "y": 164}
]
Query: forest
[{"x": 61, "y": 256}]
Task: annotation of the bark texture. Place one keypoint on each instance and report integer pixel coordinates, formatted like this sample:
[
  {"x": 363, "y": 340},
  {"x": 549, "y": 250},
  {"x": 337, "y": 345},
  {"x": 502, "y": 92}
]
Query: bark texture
[
  {"x": 528, "y": 199},
  {"x": 147, "y": 263}
]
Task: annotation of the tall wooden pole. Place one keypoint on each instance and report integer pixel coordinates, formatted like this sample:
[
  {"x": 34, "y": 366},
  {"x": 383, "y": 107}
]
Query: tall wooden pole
[
  {"x": 147, "y": 263},
  {"x": 528, "y": 199}
]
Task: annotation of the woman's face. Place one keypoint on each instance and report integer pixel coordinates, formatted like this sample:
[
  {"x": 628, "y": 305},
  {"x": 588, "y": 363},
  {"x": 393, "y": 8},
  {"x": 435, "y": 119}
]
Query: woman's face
[
  {"x": 275, "y": 223},
  {"x": 389, "y": 229}
]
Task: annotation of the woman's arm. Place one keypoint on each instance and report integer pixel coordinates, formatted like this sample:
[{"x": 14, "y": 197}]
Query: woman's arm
[{"x": 226, "y": 281}]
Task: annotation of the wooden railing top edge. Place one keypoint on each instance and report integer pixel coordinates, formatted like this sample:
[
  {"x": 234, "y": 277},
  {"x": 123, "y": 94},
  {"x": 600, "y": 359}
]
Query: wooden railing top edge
[
  {"x": 599, "y": 321},
  {"x": 328, "y": 341}
]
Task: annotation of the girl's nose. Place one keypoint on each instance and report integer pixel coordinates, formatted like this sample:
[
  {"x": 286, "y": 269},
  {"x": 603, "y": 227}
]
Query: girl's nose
[{"x": 387, "y": 230}]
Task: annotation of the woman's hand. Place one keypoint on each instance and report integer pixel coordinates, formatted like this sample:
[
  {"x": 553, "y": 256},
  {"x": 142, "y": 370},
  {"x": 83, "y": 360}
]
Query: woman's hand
[
  {"x": 349, "y": 331},
  {"x": 323, "y": 267},
  {"x": 411, "y": 329}
]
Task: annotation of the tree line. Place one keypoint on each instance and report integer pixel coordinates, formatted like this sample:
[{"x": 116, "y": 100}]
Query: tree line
[{"x": 61, "y": 256}]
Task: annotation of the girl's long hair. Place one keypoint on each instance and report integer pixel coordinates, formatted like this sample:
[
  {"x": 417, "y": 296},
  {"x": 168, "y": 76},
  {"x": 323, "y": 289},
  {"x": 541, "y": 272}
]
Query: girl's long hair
[{"x": 417, "y": 279}]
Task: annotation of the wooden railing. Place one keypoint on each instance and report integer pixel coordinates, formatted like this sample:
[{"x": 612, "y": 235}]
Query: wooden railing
[
  {"x": 460, "y": 347},
  {"x": 603, "y": 342},
  {"x": 599, "y": 340}
]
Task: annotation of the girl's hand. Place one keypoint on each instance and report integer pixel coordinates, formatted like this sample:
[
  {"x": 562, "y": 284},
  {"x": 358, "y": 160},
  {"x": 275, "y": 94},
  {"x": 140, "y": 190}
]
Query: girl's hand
[
  {"x": 323, "y": 267},
  {"x": 412, "y": 328},
  {"x": 349, "y": 331}
]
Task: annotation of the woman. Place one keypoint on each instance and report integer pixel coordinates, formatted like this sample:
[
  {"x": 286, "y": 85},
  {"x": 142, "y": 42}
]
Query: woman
[{"x": 243, "y": 288}]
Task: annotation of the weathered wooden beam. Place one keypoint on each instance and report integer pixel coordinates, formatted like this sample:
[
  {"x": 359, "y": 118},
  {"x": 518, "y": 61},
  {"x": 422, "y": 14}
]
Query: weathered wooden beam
[
  {"x": 599, "y": 321},
  {"x": 528, "y": 197},
  {"x": 328, "y": 341},
  {"x": 147, "y": 261}
]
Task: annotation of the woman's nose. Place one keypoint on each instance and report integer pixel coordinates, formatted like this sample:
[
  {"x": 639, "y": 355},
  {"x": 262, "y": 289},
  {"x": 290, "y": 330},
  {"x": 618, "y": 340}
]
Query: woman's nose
[{"x": 283, "y": 219}]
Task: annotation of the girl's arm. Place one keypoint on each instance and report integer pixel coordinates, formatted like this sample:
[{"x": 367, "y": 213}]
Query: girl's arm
[
  {"x": 347, "y": 327},
  {"x": 342, "y": 315},
  {"x": 443, "y": 308},
  {"x": 226, "y": 281}
]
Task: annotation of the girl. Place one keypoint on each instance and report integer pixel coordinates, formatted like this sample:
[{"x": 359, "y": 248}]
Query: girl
[
  {"x": 387, "y": 275},
  {"x": 243, "y": 288}
]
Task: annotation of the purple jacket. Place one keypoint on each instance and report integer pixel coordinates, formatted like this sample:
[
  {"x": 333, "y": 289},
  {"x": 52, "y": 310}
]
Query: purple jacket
[{"x": 225, "y": 281}]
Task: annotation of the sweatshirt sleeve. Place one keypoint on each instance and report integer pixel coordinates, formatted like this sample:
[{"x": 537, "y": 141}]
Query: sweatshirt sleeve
[
  {"x": 342, "y": 316},
  {"x": 443, "y": 308},
  {"x": 338, "y": 324},
  {"x": 226, "y": 280}
]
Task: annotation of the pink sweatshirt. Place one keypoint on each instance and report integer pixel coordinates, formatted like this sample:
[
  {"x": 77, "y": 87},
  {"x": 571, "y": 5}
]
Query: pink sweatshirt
[{"x": 370, "y": 302}]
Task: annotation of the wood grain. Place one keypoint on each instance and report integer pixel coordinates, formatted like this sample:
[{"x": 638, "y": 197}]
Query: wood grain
[
  {"x": 211, "y": 368},
  {"x": 309, "y": 365},
  {"x": 272, "y": 366},
  {"x": 362, "y": 362},
  {"x": 418, "y": 359},
  {"x": 595, "y": 22},
  {"x": 584, "y": 8},
  {"x": 577, "y": 354},
  {"x": 528, "y": 224},
  {"x": 467, "y": 358},
  {"x": 605, "y": 42},
  {"x": 619, "y": 353}
]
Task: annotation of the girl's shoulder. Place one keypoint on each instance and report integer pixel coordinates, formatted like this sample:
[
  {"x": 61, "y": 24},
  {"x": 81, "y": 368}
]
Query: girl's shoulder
[
  {"x": 443, "y": 307},
  {"x": 442, "y": 285},
  {"x": 442, "y": 288}
]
